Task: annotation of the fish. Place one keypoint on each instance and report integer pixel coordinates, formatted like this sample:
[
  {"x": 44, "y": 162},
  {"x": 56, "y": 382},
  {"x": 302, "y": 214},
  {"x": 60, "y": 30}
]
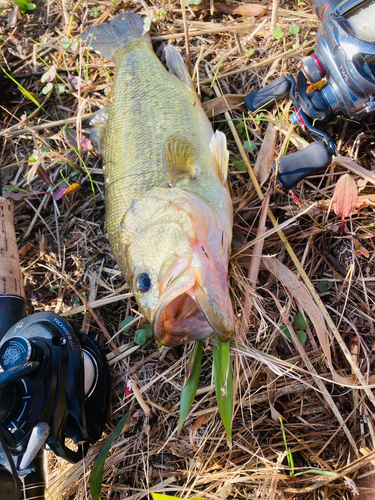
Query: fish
[{"x": 169, "y": 213}]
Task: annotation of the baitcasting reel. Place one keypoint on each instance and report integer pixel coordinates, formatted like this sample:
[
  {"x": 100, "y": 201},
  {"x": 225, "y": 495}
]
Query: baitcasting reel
[
  {"x": 344, "y": 65},
  {"x": 54, "y": 383}
]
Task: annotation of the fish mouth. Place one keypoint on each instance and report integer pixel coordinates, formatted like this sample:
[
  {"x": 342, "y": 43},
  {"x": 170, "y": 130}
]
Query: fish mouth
[{"x": 186, "y": 313}]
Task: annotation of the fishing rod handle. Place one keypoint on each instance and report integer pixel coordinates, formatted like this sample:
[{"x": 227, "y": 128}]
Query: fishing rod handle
[
  {"x": 278, "y": 89},
  {"x": 11, "y": 279},
  {"x": 12, "y": 293},
  {"x": 295, "y": 167}
]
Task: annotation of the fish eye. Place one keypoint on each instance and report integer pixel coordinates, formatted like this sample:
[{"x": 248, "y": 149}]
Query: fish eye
[{"x": 144, "y": 282}]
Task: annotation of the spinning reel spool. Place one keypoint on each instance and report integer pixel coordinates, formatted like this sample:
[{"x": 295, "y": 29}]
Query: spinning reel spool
[
  {"x": 54, "y": 383},
  {"x": 343, "y": 66}
]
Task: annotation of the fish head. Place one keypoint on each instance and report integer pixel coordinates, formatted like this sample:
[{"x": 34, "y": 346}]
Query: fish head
[{"x": 177, "y": 267}]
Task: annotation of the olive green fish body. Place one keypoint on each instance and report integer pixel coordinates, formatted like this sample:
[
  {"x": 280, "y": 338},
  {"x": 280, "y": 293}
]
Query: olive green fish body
[
  {"x": 169, "y": 213},
  {"x": 150, "y": 104}
]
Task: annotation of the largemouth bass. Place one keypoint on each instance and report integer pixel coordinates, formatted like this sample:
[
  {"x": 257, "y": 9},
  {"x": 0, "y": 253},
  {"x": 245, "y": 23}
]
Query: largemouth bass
[{"x": 168, "y": 207}]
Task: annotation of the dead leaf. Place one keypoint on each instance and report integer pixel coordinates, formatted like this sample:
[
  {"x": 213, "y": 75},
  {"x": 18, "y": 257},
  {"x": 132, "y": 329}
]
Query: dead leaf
[
  {"x": 23, "y": 251},
  {"x": 219, "y": 105},
  {"x": 13, "y": 17},
  {"x": 244, "y": 10},
  {"x": 358, "y": 248},
  {"x": 345, "y": 196},
  {"x": 263, "y": 164},
  {"x": 301, "y": 294}
]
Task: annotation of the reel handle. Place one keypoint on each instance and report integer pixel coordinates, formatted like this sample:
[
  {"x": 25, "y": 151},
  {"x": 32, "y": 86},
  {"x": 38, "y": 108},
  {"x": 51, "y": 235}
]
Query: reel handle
[
  {"x": 278, "y": 89},
  {"x": 295, "y": 167}
]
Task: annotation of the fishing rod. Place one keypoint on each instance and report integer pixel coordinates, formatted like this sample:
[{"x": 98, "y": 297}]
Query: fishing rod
[
  {"x": 337, "y": 79},
  {"x": 54, "y": 382}
]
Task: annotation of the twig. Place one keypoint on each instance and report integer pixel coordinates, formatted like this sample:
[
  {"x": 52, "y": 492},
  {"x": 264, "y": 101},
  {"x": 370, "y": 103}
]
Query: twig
[{"x": 186, "y": 33}]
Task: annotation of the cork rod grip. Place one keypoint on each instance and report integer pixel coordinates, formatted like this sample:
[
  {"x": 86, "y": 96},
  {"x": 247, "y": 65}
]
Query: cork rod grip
[{"x": 11, "y": 279}]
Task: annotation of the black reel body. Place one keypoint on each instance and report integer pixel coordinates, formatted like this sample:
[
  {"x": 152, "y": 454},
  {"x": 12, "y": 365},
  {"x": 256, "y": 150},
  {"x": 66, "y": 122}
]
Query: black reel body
[
  {"x": 344, "y": 66},
  {"x": 51, "y": 375}
]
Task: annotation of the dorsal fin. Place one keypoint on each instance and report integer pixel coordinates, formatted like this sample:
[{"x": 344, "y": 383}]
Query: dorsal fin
[
  {"x": 179, "y": 159},
  {"x": 177, "y": 67},
  {"x": 218, "y": 146}
]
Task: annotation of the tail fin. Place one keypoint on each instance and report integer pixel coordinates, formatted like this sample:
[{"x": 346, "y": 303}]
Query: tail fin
[{"x": 106, "y": 38}]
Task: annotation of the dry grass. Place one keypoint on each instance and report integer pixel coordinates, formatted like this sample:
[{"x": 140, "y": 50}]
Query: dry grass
[{"x": 327, "y": 406}]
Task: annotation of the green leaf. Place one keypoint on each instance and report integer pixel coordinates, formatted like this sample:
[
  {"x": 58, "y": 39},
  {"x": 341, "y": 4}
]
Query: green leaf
[
  {"x": 148, "y": 329},
  {"x": 60, "y": 88},
  {"x": 140, "y": 337},
  {"x": 301, "y": 336},
  {"x": 239, "y": 165},
  {"x": 317, "y": 471},
  {"x": 31, "y": 6},
  {"x": 300, "y": 323},
  {"x": 74, "y": 46},
  {"x": 96, "y": 476},
  {"x": 240, "y": 127},
  {"x": 259, "y": 117},
  {"x": 47, "y": 88},
  {"x": 322, "y": 286},
  {"x": 193, "y": 370},
  {"x": 22, "y": 4},
  {"x": 224, "y": 384},
  {"x": 125, "y": 322},
  {"x": 94, "y": 12},
  {"x": 65, "y": 43},
  {"x": 278, "y": 33},
  {"x": 249, "y": 146},
  {"x": 147, "y": 24},
  {"x": 295, "y": 45},
  {"x": 294, "y": 29},
  {"x": 285, "y": 331},
  {"x": 250, "y": 52}
]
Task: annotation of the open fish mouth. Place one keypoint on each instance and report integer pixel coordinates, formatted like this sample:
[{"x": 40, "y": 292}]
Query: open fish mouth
[
  {"x": 180, "y": 319},
  {"x": 188, "y": 311}
]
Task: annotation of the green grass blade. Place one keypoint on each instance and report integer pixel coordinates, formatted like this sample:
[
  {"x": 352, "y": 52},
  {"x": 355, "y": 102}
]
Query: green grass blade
[
  {"x": 25, "y": 92},
  {"x": 224, "y": 384},
  {"x": 96, "y": 476},
  {"x": 193, "y": 370}
]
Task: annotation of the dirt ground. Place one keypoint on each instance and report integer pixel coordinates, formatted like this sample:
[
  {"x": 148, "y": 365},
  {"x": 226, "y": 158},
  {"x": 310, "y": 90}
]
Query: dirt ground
[{"x": 319, "y": 380}]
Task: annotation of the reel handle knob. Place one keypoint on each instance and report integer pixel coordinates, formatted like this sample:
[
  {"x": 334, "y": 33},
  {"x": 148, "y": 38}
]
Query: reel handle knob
[
  {"x": 278, "y": 89},
  {"x": 295, "y": 167}
]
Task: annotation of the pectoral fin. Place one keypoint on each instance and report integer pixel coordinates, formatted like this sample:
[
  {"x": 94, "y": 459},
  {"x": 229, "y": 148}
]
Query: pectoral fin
[
  {"x": 179, "y": 160},
  {"x": 218, "y": 146},
  {"x": 177, "y": 67}
]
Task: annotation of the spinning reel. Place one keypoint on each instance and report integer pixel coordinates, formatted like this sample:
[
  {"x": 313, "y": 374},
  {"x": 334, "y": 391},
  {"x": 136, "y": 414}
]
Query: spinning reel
[
  {"x": 54, "y": 382},
  {"x": 344, "y": 65}
]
